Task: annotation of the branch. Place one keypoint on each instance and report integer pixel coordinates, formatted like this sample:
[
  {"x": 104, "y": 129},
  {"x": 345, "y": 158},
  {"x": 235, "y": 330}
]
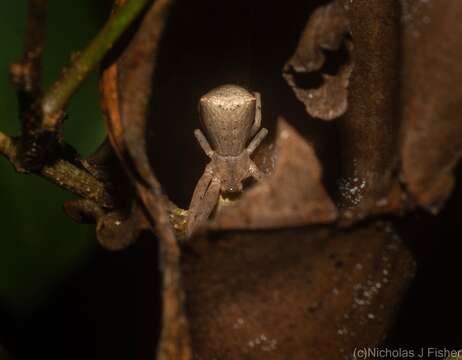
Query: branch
[
  {"x": 63, "y": 173},
  {"x": 40, "y": 148},
  {"x": 59, "y": 94},
  {"x": 26, "y": 77},
  {"x": 7, "y": 147},
  {"x": 72, "y": 178}
]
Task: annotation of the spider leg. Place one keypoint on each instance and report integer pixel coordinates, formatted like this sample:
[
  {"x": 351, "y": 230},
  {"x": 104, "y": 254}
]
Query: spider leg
[
  {"x": 204, "y": 200},
  {"x": 257, "y": 123},
  {"x": 201, "y": 188},
  {"x": 202, "y": 140},
  {"x": 255, "y": 172},
  {"x": 256, "y": 141}
]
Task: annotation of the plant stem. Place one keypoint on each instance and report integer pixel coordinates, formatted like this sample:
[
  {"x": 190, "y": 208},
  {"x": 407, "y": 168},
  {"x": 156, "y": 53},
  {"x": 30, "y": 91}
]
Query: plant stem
[
  {"x": 7, "y": 147},
  {"x": 63, "y": 173},
  {"x": 56, "y": 98}
]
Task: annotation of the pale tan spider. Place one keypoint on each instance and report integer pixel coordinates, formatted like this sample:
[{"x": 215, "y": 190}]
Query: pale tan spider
[{"x": 231, "y": 116}]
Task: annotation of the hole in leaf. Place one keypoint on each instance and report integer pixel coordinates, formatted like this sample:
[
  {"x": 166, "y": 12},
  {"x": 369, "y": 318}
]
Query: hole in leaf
[{"x": 334, "y": 61}]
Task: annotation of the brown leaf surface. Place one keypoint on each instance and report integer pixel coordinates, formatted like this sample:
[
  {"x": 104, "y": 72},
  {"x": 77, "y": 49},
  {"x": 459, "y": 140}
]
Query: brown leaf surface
[
  {"x": 369, "y": 130},
  {"x": 294, "y": 294},
  {"x": 431, "y": 136}
]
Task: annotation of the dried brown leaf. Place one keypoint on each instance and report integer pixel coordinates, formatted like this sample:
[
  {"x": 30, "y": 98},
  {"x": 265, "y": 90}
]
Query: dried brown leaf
[
  {"x": 291, "y": 195},
  {"x": 431, "y": 136},
  {"x": 294, "y": 294},
  {"x": 369, "y": 129},
  {"x": 325, "y": 31},
  {"x": 126, "y": 87}
]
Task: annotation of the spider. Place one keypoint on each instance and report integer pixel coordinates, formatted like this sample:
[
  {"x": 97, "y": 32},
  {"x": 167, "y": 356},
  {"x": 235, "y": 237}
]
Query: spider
[{"x": 231, "y": 116}]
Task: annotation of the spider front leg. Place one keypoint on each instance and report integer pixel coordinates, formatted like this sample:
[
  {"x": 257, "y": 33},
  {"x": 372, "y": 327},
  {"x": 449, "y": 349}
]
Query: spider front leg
[
  {"x": 204, "y": 200},
  {"x": 202, "y": 140},
  {"x": 255, "y": 172},
  {"x": 256, "y": 141},
  {"x": 257, "y": 123}
]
